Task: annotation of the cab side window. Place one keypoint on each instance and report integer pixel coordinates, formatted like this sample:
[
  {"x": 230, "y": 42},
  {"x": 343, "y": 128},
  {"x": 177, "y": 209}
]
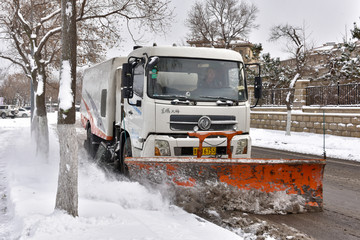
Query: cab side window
[{"x": 139, "y": 80}]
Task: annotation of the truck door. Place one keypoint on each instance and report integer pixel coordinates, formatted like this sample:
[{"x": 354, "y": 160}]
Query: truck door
[{"x": 134, "y": 114}]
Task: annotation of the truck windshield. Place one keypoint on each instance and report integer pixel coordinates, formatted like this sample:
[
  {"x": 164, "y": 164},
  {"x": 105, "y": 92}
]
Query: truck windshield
[{"x": 197, "y": 80}]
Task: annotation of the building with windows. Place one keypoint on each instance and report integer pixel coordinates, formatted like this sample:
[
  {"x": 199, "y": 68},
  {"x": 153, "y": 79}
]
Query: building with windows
[
  {"x": 245, "y": 48},
  {"x": 329, "y": 63}
]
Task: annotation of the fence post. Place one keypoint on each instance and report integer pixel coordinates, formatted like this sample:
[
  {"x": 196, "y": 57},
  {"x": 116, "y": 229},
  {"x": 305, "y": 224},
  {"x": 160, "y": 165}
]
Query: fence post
[
  {"x": 338, "y": 93},
  {"x": 300, "y": 93}
]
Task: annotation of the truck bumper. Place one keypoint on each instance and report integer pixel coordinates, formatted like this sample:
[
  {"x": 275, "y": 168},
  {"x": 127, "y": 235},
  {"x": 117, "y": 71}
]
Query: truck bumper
[{"x": 184, "y": 146}]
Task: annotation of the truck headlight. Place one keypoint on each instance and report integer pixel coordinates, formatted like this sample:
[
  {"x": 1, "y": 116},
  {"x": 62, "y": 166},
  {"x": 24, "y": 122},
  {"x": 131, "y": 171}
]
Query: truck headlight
[
  {"x": 162, "y": 148},
  {"x": 241, "y": 147}
]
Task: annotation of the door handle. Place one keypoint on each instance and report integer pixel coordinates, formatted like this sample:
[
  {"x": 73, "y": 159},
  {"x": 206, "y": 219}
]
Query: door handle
[{"x": 130, "y": 112}]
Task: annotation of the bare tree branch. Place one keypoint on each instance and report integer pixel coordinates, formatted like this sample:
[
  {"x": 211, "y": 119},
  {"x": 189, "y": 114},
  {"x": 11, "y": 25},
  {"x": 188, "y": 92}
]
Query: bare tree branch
[
  {"x": 19, "y": 49},
  {"x": 15, "y": 62},
  {"x": 296, "y": 39},
  {"x": 44, "y": 39},
  {"x": 223, "y": 20},
  {"x": 50, "y": 16}
]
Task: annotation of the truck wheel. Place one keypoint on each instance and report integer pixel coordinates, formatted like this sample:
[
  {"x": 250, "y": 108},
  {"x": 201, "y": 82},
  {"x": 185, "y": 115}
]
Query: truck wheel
[
  {"x": 127, "y": 148},
  {"x": 3, "y": 115},
  {"x": 91, "y": 147},
  {"x": 125, "y": 152}
]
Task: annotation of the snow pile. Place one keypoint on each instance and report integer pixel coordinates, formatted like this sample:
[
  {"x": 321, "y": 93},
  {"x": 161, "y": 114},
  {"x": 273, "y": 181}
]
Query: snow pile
[
  {"x": 65, "y": 92},
  {"x": 221, "y": 196},
  {"x": 108, "y": 208},
  {"x": 209, "y": 189}
]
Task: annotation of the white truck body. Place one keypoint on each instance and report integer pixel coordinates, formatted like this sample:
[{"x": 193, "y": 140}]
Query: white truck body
[
  {"x": 160, "y": 125},
  {"x": 99, "y": 80}
]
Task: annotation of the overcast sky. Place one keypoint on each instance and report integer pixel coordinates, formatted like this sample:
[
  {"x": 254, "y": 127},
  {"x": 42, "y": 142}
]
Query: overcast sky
[{"x": 326, "y": 21}]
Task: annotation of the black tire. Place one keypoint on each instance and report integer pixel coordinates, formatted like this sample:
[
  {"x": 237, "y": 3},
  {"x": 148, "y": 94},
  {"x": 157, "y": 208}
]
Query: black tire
[
  {"x": 126, "y": 149},
  {"x": 3, "y": 115},
  {"x": 24, "y": 115},
  {"x": 92, "y": 146},
  {"x": 125, "y": 152}
]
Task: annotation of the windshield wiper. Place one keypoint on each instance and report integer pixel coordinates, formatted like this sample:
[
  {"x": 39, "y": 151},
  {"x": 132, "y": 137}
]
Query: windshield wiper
[
  {"x": 219, "y": 98},
  {"x": 222, "y": 100},
  {"x": 177, "y": 99},
  {"x": 180, "y": 101}
]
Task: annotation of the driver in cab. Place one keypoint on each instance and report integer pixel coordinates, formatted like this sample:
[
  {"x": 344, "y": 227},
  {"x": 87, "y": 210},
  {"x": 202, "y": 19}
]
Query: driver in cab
[{"x": 212, "y": 79}]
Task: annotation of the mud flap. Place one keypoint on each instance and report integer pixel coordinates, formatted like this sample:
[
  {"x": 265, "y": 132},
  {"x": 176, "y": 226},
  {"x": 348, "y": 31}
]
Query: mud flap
[{"x": 252, "y": 185}]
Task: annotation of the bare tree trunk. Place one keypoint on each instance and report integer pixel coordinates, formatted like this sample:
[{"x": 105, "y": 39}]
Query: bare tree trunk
[
  {"x": 40, "y": 132},
  {"x": 288, "y": 105},
  {"x": 67, "y": 194},
  {"x": 39, "y": 126},
  {"x": 288, "y": 122}
]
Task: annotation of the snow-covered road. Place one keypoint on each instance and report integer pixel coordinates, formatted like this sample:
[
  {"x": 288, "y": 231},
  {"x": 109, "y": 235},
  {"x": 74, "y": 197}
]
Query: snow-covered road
[
  {"x": 308, "y": 143},
  {"x": 4, "y": 213},
  {"x": 108, "y": 209},
  {"x": 9, "y": 133}
]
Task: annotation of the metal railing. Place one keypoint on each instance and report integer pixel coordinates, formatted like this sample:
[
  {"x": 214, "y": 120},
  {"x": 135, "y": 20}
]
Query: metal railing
[
  {"x": 276, "y": 97},
  {"x": 340, "y": 94}
]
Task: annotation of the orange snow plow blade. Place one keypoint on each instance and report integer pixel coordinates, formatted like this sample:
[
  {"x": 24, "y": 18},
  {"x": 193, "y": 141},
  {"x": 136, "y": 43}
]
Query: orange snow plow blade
[
  {"x": 263, "y": 186},
  {"x": 276, "y": 186}
]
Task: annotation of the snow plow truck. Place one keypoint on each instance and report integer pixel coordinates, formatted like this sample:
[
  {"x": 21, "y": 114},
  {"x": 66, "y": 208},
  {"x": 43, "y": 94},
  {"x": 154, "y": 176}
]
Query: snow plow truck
[{"x": 180, "y": 117}]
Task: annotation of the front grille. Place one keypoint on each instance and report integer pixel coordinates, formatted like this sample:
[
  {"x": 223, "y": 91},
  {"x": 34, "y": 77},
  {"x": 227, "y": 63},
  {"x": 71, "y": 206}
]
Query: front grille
[{"x": 188, "y": 122}]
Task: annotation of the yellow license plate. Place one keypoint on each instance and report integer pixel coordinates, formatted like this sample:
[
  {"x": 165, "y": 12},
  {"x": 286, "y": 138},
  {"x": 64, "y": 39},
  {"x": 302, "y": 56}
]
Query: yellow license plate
[{"x": 206, "y": 151}]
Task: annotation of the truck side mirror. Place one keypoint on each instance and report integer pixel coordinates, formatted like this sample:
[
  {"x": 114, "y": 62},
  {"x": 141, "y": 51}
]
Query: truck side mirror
[
  {"x": 257, "y": 87},
  {"x": 257, "y": 83},
  {"x": 127, "y": 80}
]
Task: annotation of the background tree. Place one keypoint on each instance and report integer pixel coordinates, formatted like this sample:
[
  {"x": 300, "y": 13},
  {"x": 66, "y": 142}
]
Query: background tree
[
  {"x": 296, "y": 43},
  {"x": 221, "y": 19},
  {"x": 256, "y": 50},
  {"x": 15, "y": 89},
  {"x": 31, "y": 31},
  {"x": 356, "y": 32},
  {"x": 341, "y": 64},
  {"x": 67, "y": 193},
  {"x": 276, "y": 74}
]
